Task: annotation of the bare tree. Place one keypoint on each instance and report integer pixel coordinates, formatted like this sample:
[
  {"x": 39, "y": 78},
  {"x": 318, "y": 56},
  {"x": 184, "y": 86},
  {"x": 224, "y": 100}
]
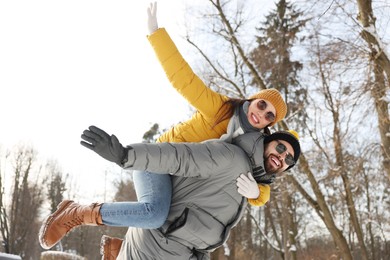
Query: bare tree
[
  {"x": 19, "y": 220},
  {"x": 56, "y": 185},
  {"x": 334, "y": 107}
]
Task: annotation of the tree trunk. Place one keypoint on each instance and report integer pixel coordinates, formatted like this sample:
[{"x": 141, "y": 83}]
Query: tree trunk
[
  {"x": 321, "y": 206},
  {"x": 278, "y": 217},
  {"x": 346, "y": 182},
  {"x": 289, "y": 225},
  {"x": 378, "y": 92},
  {"x": 248, "y": 231},
  {"x": 382, "y": 72},
  {"x": 323, "y": 210},
  {"x": 369, "y": 226},
  {"x": 292, "y": 227}
]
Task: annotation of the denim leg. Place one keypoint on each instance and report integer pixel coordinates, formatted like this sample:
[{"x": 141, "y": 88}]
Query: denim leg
[{"x": 154, "y": 192}]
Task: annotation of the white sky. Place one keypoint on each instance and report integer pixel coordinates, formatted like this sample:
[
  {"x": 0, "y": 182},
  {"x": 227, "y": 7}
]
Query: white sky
[{"x": 65, "y": 65}]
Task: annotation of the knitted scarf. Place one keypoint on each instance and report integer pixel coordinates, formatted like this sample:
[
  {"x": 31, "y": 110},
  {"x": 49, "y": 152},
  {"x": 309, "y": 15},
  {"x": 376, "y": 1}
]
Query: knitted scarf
[
  {"x": 258, "y": 170},
  {"x": 243, "y": 112}
]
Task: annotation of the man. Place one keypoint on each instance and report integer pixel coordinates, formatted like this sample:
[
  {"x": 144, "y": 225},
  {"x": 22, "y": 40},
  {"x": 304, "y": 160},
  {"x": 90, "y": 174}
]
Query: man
[{"x": 205, "y": 202}]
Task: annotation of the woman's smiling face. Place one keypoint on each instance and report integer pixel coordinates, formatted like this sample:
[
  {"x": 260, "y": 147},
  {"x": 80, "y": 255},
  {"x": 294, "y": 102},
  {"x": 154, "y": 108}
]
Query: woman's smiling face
[{"x": 261, "y": 113}]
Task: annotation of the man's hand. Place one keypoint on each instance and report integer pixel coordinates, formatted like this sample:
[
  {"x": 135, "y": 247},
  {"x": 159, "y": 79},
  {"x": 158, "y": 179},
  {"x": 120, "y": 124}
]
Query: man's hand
[
  {"x": 103, "y": 144},
  {"x": 152, "y": 18},
  {"x": 247, "y": 186}
]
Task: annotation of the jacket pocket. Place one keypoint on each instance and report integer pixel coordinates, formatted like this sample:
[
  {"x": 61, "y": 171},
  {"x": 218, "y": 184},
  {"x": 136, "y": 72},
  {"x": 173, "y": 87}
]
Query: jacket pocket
[{"x": 196, "y": 228}]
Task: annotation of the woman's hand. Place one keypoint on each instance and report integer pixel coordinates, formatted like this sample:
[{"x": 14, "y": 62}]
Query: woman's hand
[{"x": 152, "y": 18}]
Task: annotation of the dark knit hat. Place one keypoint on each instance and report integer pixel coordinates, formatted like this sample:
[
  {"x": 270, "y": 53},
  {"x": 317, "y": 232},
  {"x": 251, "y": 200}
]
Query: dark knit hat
[
  {"x": 275, "y": 98},
  {"x": 289, "y": 136}
]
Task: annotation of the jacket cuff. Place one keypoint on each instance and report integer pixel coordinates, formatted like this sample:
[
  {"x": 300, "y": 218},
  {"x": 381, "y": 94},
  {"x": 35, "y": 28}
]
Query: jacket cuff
[
  {"x": 129, "y": 158},
  {"x": 265, "y": 192}
]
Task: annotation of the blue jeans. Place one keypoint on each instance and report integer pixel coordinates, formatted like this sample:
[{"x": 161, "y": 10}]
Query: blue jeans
[{"x": 154, "y": 192}]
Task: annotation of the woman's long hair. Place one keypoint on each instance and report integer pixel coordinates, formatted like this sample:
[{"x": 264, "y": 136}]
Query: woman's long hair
[{"x": 226, "y": 111}]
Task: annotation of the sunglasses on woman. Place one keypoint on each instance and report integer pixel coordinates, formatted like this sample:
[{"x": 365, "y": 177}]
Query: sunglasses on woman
[
  {"x": 281, "y": 148},
  {"x": 262, "y": 105}
]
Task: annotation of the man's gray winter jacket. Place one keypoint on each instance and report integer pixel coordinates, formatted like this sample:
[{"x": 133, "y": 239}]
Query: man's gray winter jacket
[{"x": 205, "y": 206}]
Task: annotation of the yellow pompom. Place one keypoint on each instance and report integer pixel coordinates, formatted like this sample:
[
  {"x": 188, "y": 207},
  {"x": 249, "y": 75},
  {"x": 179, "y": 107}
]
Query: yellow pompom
[{"x": 294, "y": 133}]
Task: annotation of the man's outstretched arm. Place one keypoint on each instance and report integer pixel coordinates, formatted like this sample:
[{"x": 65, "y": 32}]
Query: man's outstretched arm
[{"x": 182, "y": 159}]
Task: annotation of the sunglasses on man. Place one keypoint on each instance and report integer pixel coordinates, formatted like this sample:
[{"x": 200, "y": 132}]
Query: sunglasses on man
[
  {"x": 262, "y": 105},
  {"x": 289, "y": 159}
]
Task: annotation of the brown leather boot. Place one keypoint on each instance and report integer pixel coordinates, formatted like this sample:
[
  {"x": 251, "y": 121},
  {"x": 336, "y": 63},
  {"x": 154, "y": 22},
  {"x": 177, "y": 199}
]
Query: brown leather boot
[
  {"x": 109, "y": 247},
  {"x": 68, "y": 215}
]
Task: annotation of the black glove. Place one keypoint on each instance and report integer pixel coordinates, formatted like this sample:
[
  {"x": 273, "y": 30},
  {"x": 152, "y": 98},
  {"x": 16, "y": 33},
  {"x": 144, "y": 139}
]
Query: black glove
[{"x": 104, "y": 145}]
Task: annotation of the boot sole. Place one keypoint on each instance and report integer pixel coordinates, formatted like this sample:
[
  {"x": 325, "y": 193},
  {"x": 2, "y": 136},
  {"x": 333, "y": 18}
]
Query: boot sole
[
  {"x": 103, "y": 242},
  {"x": 104, "y": 247},
  {"x": 47, "y": 222}
]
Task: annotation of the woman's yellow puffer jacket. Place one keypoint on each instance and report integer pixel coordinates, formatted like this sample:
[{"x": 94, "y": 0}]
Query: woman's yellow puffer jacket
[{"x": 206, "y": 101}]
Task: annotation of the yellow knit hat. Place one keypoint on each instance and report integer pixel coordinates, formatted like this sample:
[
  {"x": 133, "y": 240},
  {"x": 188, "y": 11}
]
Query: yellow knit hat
[{"x": 275, "y": 98}]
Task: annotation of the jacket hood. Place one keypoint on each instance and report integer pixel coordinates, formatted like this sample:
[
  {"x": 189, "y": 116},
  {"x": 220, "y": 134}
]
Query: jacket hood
[{"x": 253, "y": 145}]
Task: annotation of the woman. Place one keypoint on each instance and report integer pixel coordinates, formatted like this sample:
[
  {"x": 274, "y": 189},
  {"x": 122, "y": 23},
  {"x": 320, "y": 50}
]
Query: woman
[{"x": 210, "y": 121}]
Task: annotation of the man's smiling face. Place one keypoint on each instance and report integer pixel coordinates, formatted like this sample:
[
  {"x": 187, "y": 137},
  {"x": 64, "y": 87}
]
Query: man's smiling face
[{"x": 274, "y": 162}]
